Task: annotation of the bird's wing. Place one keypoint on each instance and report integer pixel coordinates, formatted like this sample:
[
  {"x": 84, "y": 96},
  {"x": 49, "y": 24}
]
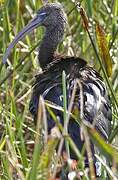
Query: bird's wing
[{"x": 96, "y": 105}]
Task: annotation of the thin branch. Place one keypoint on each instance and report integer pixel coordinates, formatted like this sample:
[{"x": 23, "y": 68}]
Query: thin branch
[
  {"x": 106, "y": 167},
  {"x": 58, "y": 156},
  {"x": 44, "y": 121},
  {"x": 85, "y": 134},
  {"x": 114, "y": 38}
]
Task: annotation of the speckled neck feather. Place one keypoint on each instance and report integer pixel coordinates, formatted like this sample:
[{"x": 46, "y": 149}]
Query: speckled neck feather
[{"x": 53, "y": 36}]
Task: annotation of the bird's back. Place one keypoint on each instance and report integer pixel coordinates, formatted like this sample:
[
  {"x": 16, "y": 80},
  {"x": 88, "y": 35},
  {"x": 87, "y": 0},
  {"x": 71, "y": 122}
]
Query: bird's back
[{"x": 96, "y": 104}]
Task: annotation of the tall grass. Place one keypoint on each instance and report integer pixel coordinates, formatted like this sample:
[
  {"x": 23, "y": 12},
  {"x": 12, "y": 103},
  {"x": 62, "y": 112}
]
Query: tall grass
[{"x": 21, "y": 142}]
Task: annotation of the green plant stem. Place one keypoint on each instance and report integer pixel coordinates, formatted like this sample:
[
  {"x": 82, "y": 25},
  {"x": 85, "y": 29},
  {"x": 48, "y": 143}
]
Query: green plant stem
[
  {"x": 65, "y": 111},
  {"x": 103, "y": 70},
  {"x": 18, "y": 65}
]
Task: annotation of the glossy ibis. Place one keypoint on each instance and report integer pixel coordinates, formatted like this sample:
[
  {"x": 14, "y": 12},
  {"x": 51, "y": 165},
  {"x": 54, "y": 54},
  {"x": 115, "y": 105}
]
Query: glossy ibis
[{"x": 96, "y": 105}]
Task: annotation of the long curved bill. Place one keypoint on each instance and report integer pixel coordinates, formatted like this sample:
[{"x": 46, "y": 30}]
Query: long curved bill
[{"x": 36, "y": 21}]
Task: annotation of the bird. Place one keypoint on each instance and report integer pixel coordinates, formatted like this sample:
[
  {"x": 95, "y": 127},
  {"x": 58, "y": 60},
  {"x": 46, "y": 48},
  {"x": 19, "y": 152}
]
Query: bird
[{"x": 48, "y": 83}]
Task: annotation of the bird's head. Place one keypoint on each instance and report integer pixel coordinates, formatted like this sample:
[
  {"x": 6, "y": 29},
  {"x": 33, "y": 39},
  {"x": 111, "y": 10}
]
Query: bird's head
[{"x": 51, "y": 16}]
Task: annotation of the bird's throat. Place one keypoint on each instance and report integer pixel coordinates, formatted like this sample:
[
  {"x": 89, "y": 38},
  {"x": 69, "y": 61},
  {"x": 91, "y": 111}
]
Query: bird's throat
[{"x": 49, "y": 45}]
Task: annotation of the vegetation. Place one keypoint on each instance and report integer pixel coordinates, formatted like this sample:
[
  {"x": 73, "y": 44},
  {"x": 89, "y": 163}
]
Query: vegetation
[{"x": 92, "y": 34}]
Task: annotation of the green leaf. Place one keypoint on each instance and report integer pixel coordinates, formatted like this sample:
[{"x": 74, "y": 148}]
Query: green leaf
[{"x": 107, "y": 149}]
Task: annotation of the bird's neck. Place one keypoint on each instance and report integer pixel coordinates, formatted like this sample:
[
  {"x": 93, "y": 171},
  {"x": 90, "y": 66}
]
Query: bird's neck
[{"x": 49, "y": 45}]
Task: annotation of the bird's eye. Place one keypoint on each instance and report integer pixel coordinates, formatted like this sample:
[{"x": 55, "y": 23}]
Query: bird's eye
[
  {"x": 42, "y": 15},
  {"x": 57, "y": 8}
]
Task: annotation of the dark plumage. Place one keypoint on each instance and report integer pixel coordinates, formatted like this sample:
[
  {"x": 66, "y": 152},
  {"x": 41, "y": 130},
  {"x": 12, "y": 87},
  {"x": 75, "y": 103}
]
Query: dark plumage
[
  {"x": 96, "y": 101},
  {"x": 49, "y": 82}
]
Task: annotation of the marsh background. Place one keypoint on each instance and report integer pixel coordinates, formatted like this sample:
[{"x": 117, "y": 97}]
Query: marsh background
[{"x": 17, "y": 130}]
